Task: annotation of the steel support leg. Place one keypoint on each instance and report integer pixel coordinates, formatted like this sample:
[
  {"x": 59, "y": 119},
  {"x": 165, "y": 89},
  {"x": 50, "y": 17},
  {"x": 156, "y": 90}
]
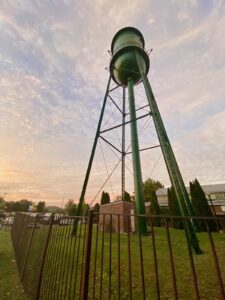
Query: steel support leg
[
  {"x": 79, "y": 209},
  {"x": 171, "y": 163},
  {"x": 138, "y": 184},
  {"x": 123, "y": 148}
]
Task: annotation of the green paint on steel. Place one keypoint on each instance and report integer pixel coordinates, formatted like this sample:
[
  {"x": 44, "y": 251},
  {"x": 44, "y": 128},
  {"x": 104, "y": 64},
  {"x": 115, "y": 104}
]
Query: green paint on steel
[
  {"x": 170, "y": 160},
  {"x": 123, "y": 64},
  {"x": 81, "y": 200},
  {"x": 129, "y": 66},
  {"x": 138, "y": 186}
]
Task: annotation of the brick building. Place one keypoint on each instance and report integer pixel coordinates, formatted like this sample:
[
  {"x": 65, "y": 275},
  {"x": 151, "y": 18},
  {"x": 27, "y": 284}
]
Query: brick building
[{"x": 120, "y": 220}]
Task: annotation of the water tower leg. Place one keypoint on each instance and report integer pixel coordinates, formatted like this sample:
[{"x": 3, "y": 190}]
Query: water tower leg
[
  {"x": 81, "y": 201},
  {"x": 123, "y": 155},
  {"x": 138, "y": 185},
  {"x": 171, "y": 163}
]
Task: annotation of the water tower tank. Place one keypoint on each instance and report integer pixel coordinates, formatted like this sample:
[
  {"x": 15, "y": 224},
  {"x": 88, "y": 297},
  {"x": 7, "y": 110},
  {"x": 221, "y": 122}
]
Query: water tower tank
[{"x": 124, "y": 65}]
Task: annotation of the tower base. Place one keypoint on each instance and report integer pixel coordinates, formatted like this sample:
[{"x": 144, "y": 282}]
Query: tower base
[{"x": 116, "y": 217}]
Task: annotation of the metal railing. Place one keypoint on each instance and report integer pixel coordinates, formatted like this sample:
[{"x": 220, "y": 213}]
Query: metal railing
[{"x": 109, "y": 258}]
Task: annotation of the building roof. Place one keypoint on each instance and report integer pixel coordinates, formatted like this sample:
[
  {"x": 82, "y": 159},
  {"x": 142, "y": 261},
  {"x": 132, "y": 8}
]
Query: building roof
[
  {"x": 207, "y": 188},
  {"x": 164, "y": 202}
]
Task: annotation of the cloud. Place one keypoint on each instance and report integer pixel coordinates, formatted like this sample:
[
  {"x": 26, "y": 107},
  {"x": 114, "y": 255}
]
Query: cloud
[{"x": 53, "y": 56}]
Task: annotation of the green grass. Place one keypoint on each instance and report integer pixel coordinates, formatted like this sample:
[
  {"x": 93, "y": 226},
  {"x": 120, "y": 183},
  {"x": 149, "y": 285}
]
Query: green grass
[
  {"x": 10, "y": 286},
  {"x": 64, "y": 265},
  {"x": 205, "y": 268}
]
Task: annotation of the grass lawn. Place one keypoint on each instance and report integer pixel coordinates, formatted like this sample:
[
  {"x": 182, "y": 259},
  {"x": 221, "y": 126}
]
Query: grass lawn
[
  {"x": 10, "y": 286},
  {"x": 63, "y": 267}
]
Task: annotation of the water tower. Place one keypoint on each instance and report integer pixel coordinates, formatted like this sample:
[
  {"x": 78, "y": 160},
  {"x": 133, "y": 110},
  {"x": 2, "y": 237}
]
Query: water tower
[{"x": 129, "y": 67}]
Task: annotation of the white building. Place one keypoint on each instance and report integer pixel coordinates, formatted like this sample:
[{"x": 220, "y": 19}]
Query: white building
[{"x": 215, "y": 192}]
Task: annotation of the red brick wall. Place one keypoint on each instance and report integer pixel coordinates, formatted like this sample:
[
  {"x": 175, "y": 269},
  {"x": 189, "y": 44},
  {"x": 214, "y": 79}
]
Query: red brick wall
[{"x": 117, "y": 210}]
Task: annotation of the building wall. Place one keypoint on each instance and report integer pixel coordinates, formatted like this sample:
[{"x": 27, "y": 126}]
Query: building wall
[
  {"x": 117, "y": 214},
  {"x": 215, "y": 192},
  {"x": 219, "y": 210},
  {"x": 217, "y": 195}
]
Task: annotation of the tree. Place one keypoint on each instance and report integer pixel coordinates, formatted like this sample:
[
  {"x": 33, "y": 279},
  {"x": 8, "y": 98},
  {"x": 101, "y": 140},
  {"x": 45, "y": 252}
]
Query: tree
[
  {"x": 96, "y": 210},
  {"x": 40, "y": 206},
  {"x": 71, "y": 207},
  {"x": 2, "y": 203},
  {"x": 96, "y": 207},
  {"x": 22, "y": 205},
  {"x": 174, "y": 208},
  {"x": 155, "y": 208},
  {"x": 127, "y": 197},
  {"x": 85, "y": 209},
  {"x": 151, "y": 185},
  {"x": 200, "y": 205},
  {"x": 9, "y": 205},
  {"x": 105, "y": 199}
]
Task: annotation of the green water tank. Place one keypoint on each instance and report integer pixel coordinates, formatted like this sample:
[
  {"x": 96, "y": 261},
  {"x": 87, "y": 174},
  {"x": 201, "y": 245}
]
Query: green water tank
[{"x": 123, "y": 65}]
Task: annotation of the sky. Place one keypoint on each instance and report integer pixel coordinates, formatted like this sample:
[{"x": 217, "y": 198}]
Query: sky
[{"x": 53, "y": 76}]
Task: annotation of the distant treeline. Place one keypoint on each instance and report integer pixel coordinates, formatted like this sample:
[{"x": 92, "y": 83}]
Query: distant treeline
[{"x": 22, "y": 205}]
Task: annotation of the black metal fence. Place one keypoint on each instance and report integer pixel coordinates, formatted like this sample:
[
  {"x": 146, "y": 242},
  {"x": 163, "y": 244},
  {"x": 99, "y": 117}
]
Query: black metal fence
[{"x": 108, "y": 258}]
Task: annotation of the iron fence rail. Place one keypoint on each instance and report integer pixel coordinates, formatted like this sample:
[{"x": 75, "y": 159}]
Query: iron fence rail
[{"x": 109, "y": 258}]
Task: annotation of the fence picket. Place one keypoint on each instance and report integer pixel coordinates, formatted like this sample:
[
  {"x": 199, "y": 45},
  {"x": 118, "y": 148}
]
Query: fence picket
[{"x": 106, "y": 260}]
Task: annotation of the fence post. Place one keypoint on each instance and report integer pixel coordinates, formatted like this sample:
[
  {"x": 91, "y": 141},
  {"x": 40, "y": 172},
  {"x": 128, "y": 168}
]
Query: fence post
[
  {"x": 28, "y": 249},
  {"x": 219, "y": 276},
  {"x": 87, "y": 256},
  {"x": 44, "y": 257}
]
